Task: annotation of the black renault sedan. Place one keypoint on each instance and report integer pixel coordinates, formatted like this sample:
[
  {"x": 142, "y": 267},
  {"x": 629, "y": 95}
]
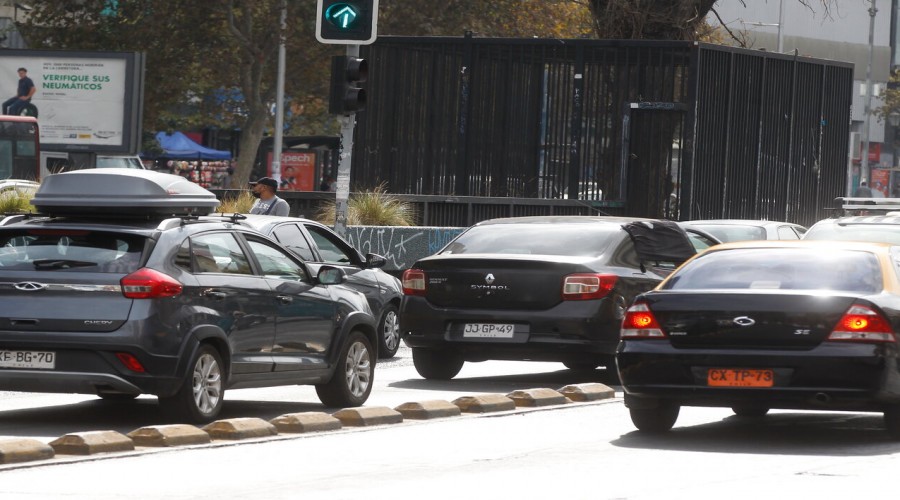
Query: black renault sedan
[
  {"x": 534, "y": 288},
  {"x": 121, "y": 289},
  {"x": 759, "y": 325}
]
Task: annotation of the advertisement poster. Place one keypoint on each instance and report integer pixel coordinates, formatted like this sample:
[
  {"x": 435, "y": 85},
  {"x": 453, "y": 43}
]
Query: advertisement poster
[
  {"x": 79, "y": 100},
  {"x": 298, "y": 170},
  {"x": 881, "y": 179}
]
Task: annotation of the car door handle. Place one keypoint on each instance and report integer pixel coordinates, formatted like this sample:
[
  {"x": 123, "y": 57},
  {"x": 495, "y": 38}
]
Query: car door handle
[
  {"x": 284, "y": 299},
  {"x": 213, "y": 294}
]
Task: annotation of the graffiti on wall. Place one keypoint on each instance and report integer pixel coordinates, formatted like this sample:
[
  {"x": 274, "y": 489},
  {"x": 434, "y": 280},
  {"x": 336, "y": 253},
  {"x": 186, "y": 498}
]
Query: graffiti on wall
[{"x": 401, "y": 246}]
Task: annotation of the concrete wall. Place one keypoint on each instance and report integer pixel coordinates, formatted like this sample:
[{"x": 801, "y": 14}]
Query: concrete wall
[{"x": 401, "y": 246}]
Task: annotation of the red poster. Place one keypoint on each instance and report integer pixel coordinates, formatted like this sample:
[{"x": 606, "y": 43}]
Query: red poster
[
  {"x": 298, "y": 170},
  {"x": 881, "y": 179}
]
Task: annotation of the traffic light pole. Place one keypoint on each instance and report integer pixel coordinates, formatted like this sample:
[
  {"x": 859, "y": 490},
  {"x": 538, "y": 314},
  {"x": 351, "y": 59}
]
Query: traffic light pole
[{"x": 342, "y": 191}]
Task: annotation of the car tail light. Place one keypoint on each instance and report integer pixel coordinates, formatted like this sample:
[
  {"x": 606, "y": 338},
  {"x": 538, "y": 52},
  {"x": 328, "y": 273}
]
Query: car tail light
[
  {"x": 413, "y": 282},
  {"x": 862, "y": 324},
  {"x": 131, "y": 362},
  {"x": 639, "y": 323},
  {"x": 587, "y": 286},
  {"x": 146, "y": 283}
]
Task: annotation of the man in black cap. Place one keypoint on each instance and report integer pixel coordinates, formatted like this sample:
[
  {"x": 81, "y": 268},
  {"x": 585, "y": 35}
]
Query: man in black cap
[{"x": 268, "y": 203}]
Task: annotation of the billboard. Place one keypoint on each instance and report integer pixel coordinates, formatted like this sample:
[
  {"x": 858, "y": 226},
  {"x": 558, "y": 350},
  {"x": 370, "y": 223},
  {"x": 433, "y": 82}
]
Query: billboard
[{"x": 86, "y": 101}]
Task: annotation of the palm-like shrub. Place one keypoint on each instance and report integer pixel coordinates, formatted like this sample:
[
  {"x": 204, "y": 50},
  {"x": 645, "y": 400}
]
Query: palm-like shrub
[
  {"x": 371, "y": 208},
  {"x": 16, "y": 201},
  {"x": 239, "y": 203}
]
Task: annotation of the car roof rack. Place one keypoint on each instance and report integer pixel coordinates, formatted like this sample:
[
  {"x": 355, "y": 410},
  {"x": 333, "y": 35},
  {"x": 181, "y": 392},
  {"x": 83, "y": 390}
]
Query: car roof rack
[{"x": 845, "y": 206}]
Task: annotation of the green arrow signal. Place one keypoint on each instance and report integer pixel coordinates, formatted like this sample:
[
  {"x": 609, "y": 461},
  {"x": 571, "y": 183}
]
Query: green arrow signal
[{"x": 341, "y": 15}]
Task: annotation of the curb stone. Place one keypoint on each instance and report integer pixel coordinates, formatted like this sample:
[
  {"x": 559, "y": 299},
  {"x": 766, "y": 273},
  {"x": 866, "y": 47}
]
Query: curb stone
[
  {"x": 24, "y": 450},
  {"x": 484, "y": 403},
  {"x": 305, "y": 422},
  {"x": 532, "y": 398},
  {"x": 426, "y": 410},
  {"x": 90, "y": 443},
  {"x": 365, "y": 416},
  {"x": 240, "y": 428},
  {"x": 169, "y": 435},
  {"x": 587, "y": 392}
]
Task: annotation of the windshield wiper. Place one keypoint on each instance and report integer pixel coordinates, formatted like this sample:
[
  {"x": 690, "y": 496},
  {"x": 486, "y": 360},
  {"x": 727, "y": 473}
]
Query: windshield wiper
[{"x": 61, "y": 263}]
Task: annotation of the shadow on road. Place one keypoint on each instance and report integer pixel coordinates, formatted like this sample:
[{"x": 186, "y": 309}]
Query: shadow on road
[
  {"x": 793, "y": 433},
  {"x": 505, "y": 384}
]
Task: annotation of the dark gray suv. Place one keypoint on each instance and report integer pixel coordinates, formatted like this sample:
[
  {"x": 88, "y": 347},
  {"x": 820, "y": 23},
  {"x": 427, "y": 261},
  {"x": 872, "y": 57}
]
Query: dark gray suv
[{"x": 122, "y": 300}]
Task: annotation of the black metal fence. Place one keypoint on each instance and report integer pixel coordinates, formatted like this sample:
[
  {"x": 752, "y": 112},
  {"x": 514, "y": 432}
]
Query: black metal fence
[{"x": 659, "y": 129}]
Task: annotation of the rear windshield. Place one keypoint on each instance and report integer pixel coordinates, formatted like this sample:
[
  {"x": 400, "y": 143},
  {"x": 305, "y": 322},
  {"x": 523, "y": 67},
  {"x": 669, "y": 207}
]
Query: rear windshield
[
  {"x": 586, "y": 240},
  {"x": 781, "y": 269},
  {"x": 879, "y": 233},
  {"x": 734, "y": 232},
  {"x": 69, "y": 250}
]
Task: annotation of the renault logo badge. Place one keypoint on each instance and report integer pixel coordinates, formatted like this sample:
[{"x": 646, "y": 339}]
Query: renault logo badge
[
  {"x": 489, "y": 279},
  {"x": 744, "y": 321},
  {"x": 30, "y": 286}
]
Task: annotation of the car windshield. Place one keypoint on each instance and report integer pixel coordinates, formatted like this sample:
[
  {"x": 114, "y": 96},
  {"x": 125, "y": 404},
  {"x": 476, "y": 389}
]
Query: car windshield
[
  {"x": 734, "y": 232},
  {"x": 85, "y": 251},
  {"x": 780, "y": 269},
  {"x": 586, "y": 240},
  {"x": 879, "y": 233}
]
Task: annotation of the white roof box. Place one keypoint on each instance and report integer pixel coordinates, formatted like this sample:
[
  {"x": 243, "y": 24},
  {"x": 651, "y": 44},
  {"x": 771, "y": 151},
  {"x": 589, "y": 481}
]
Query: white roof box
[{"x": 121, "y": 192}]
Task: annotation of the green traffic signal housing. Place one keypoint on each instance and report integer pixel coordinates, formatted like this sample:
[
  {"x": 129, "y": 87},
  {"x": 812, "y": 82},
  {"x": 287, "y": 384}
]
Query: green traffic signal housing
[
  {"x": 347, "y": 73},
  {"x": 347, "y": 22}
]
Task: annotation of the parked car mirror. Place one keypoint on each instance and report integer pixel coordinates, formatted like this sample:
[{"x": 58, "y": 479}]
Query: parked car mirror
[
  {"x": 329, "y": 275},
  {"x": 374, "y": 260}
]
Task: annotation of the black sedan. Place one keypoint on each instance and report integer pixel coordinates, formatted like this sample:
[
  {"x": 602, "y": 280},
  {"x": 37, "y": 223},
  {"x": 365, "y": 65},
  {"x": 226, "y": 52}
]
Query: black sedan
[
  {"x": 534, "y": 288},
  {"x": 759, "y": 325}
]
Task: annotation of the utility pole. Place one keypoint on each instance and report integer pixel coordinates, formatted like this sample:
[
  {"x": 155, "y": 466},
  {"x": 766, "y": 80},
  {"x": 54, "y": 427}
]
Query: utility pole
[
  {"x": 867, "y": 109},
  {"x": 279, "y": 99}
]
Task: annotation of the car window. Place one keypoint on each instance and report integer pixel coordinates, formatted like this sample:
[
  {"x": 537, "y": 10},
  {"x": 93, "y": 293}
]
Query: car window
[
  {"x": 274, "y": 263},
  {"x": 787, "y": 233},
  {"x": 782, "y": 269},
  {"x": 329, "y": 247},
  {"x": 70, "y": 250},
  {"x": 218, "y": 253},
  {"x": 588, "y": 240},
  {"x": 734, "y": 232},
  {"x": 292, "y": 237}
]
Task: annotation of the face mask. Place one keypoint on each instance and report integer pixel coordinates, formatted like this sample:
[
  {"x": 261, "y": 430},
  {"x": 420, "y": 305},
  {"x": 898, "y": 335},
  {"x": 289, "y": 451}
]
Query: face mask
[{"x": 255, "y": 194}]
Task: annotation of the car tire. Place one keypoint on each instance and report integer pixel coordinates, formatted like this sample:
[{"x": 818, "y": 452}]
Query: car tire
[
  {"x": 892, "y": 421},
  {"x": 655, "y": 420},
  {"x": 202, "y": 393},
  {"x": 389, "y": 332},
  {"x": 351, "y": 383},
  {"x": 436, "y": 365},
  {"x": 750, "y": 411}
]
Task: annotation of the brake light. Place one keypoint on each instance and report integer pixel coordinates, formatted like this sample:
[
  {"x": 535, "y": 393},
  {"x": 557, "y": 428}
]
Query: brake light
[
  {"x": 862, "y": 324},
  {"x": 146, "y": 283},
  {"x": 413, "y": 282},
  {"x": 587, "y": 286},
  {"x": 639, "y": 323},
  {"x": 131, "y": 362}
]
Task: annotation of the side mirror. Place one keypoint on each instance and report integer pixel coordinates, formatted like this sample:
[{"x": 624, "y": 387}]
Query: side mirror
[
  {"x": 375, "y": 260},
  {"x": 329, "y": 275}
]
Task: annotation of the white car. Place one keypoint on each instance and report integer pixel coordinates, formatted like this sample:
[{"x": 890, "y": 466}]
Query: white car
[
  {"x": 728, "y": 230},
  {"x": 9, "y": 185}
]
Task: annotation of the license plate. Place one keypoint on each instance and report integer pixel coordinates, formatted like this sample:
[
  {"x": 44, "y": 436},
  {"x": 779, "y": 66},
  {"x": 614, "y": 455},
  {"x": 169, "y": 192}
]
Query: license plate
[
  {"x": 44, "y": 360},
  {"x": 739, "y": 377},
  {"x": 489, "y": 330}
]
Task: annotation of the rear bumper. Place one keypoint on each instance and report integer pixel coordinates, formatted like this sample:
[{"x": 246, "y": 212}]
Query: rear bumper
[
  {"x": 831, "y": 376},
  {"x": 572, "y": 331}
]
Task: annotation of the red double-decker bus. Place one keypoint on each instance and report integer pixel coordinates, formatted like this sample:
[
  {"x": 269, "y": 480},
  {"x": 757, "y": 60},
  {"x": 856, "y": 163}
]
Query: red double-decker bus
[{"x": 20, "y": 150}]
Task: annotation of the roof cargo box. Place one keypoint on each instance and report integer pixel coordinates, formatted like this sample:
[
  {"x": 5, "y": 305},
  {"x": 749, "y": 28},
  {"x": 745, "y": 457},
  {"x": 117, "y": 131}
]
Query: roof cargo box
[{"x": 122, "y": 192}]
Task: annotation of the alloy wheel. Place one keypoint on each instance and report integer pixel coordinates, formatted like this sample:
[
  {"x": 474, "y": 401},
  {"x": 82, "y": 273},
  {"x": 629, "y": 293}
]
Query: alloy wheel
[
  {"x": 207, "y": 383},
  {"x": 358, "y": 369}
]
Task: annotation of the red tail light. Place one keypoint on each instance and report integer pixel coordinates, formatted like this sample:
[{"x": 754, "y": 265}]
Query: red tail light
[
  {"x": 587, "y": 286},
  {"x": 131, "y": 362},
  {"x": 862, "y": 324},
  {"x": 413, "y": 282},
  {"x": 639, "y": 323},
  {"x": 146, "y": 283}
]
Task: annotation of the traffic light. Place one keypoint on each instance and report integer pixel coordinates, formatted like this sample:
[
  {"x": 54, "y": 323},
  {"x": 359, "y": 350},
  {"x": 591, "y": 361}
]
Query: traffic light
[
  {"x": 347, "y": 22},
  {"x": 347, "y": 73}
]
